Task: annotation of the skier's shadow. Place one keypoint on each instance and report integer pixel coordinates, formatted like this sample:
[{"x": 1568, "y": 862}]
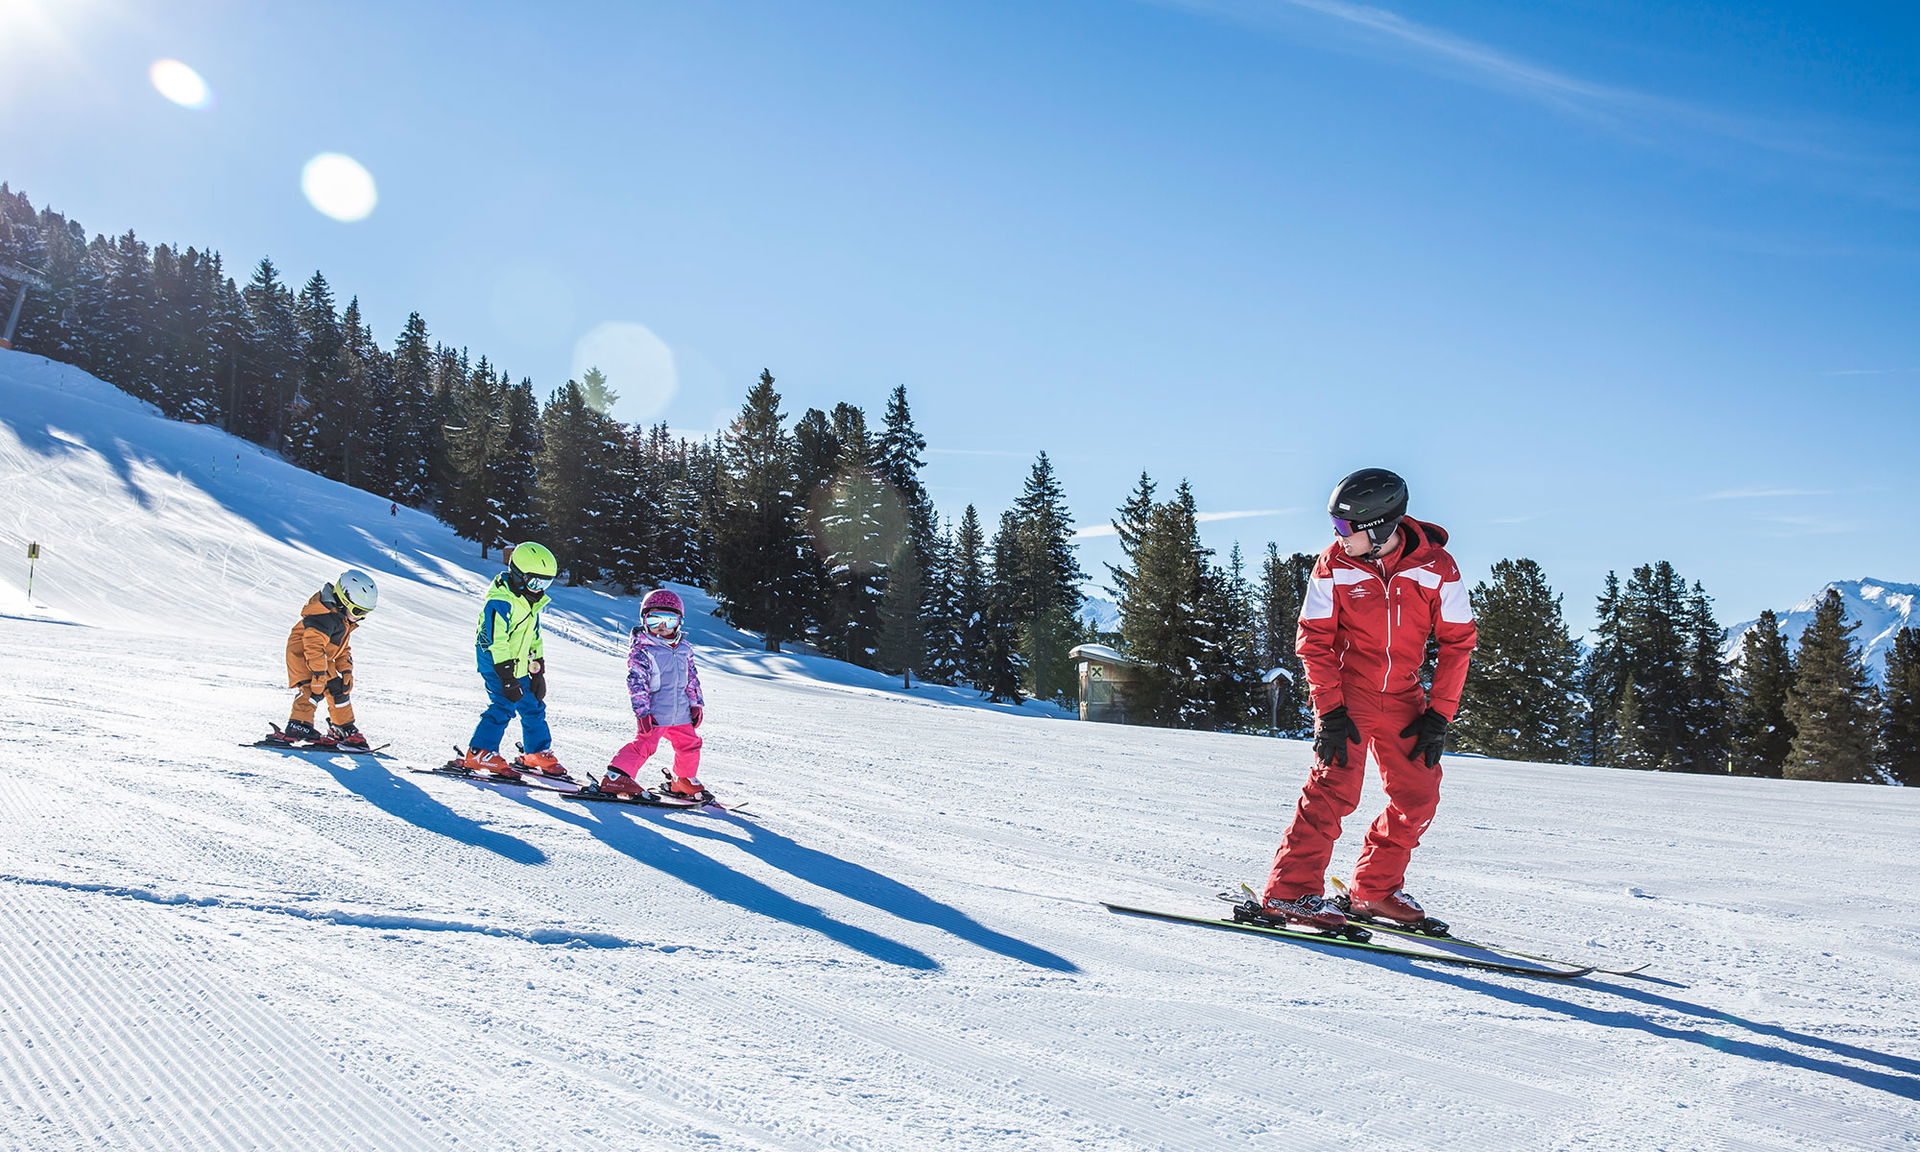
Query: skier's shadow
[
  {"x": 1902, "y": 1078},
  {"x": 858, "y": 882},
  {"x": 385, "y": 790},
  {"x": 624, "y": 829}
]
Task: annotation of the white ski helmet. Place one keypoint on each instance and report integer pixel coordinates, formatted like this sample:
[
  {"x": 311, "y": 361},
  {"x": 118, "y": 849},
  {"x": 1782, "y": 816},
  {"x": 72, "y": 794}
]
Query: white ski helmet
[{"x": 356, "y": 593}]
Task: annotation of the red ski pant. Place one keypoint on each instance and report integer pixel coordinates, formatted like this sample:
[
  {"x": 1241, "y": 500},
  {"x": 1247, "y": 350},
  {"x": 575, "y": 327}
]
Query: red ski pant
[
  {"x": 686, "y": 751},
  {"x": 1332, "y": 793}
]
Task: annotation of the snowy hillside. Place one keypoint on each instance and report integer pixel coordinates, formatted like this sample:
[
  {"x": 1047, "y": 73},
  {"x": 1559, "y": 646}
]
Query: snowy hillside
[
  {"x": 215, "y": 947},
  {"x": 1881, "y": 608}
]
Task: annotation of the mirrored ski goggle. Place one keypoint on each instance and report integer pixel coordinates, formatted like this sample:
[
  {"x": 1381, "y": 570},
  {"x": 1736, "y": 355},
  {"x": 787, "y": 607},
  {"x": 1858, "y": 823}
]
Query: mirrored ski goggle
[
  {"x": 655, "y": 619},
  {"x": 1377, "y": 532},
  {"x": 355, "y": 611},
  {"x": 539, "y": 583}
]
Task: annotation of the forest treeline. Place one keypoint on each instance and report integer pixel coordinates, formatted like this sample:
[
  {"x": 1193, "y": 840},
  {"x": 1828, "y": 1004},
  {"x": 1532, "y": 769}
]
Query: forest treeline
[{"x": 818, "y": 531}]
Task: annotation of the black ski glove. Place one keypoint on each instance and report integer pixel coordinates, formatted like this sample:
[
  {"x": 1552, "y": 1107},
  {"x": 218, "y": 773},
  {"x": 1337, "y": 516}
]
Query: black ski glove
[
  {"x": 1336, "y": 732},
  {"x": 538, "y": 682},
  {"x": 337, "y": 688},
  {"x": 509, "y": 683},
  {"x": 1429, "y": 732}
]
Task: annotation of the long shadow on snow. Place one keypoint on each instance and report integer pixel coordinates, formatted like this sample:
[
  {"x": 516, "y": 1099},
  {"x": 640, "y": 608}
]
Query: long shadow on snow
[
  {"x": 374, "y": 783},
  {"x": 857, "y": 882},
  {"x": 626, "y": 831},
  {"x": 1903, "y": 1082}
]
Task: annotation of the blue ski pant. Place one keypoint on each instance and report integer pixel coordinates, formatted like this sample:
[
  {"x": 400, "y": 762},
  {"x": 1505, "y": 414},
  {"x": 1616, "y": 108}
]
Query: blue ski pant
[{"x": 535, "y": 736}]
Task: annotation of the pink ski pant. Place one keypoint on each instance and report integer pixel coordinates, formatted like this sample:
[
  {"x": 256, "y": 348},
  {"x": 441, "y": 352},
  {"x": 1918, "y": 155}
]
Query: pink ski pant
[
  {"x": 1332, "y": 793},
  {"x": 686, "y": 751}
]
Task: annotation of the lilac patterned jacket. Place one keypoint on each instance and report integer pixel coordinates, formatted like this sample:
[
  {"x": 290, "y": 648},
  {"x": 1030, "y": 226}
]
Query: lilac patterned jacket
[{"x": 661, "y": 680}]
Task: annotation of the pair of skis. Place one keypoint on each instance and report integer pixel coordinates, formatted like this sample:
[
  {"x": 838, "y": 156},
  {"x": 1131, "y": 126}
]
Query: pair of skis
[
  {"x": 286, "y": 743},
  {"x": 1466, "y": 953},
  {"x": 568, "y": 788}
]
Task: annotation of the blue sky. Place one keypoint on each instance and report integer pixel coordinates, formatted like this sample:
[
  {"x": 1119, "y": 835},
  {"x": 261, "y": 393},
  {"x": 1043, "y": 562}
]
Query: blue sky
[{"x": 1609, "y": 283}]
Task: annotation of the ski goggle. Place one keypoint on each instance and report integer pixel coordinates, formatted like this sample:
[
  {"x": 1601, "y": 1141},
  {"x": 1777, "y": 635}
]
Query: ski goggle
[
  {"x": 354, "y": 611},
  {"x": 539, "y": 583},
  {"x": 1378, "y": 531},
  {"x": 654, "y": 620}
]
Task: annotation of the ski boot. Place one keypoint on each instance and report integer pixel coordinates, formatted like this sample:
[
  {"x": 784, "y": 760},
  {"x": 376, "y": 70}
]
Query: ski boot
[
  {"x": 1397, "y": 910},
  {"x": 545, "y": 763},
  {"x": 621, "y": 785},
  {"x": 684, "y": 788},
  {"x": 296, "y": 733},
  {"x": 1311, "y": 911},
  {"x": 348, "y": 738},
  {"x": 484, "y": 763}
]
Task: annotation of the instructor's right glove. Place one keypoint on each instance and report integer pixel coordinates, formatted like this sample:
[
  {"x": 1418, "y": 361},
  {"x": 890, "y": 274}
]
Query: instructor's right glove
[
  {"x": 1330, "y": 741},
  {"x": 509, "y": 683}
]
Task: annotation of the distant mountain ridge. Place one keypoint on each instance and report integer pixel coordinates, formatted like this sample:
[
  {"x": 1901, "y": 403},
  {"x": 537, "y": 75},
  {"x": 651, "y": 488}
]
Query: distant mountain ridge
[{"x": 1880, "y": 607}]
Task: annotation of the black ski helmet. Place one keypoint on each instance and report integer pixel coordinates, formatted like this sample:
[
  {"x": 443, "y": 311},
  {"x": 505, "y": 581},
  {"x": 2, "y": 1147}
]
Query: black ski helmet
[{"x": 1371, "y": 500}]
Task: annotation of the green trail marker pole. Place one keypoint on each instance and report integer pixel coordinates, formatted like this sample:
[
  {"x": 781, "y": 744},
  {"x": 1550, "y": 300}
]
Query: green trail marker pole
[{"x": 33, "y": 554}]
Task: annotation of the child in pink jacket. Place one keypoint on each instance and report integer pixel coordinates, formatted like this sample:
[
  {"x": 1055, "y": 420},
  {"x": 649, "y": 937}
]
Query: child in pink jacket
[{"x": 667, "y": 703}]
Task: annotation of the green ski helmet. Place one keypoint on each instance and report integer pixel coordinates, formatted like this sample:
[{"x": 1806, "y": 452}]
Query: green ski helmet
[{"x": 531, "y": 566}]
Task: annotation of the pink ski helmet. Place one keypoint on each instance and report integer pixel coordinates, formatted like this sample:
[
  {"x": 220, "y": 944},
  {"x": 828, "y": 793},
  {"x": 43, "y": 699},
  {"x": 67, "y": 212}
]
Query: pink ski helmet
[{"x": 661, "y": 600}]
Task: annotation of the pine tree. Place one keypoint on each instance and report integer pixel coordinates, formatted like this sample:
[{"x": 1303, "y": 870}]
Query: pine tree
[
  {"x": 1658, "y": 635},
  {"x": 1002, "y": 668},
  {"x": 1227, "y": 664},
  {"x": 972, "y": 588},
  {"x": 477, "y": 445},
  {"x": 1283, "y": 586},
  {"x": 1759, "y": 733},
  {"x": 128, "y": 321},
  {"x": 902, "y": 630},
  {"x": 1519, "y": 702},
  {"x": 411, "y": 429},
  {"x": 1704, "y": 716},
  {"x": 858, "y": 523},
  {"x": 1900, "y": 717},
  {"x": 1832, "y": 703},
  {"x": 1160, "y": 600},
  {"x": 758, "y": 546},
  {"x": 566, "y": 469},
  {"x": 898, "y": 462},
  {"x": 943, "y": 662},
  {"x": 515, "y": 470},
  {"x": 1043, "y": 583},
  {"x": 316, "y": 437},
  {"x": 270, "y": 357}
]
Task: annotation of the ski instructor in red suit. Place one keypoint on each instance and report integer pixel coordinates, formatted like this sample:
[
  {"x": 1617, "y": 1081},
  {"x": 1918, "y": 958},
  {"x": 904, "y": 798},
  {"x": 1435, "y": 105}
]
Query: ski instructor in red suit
[{"x": 1376, "y": 594}]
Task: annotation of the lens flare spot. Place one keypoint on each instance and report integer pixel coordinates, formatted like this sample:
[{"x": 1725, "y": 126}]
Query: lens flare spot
[
  {"x": 337, "y": 186},
  {"x": 639, "y": 367},
  {"x": 180, "y": 84}
]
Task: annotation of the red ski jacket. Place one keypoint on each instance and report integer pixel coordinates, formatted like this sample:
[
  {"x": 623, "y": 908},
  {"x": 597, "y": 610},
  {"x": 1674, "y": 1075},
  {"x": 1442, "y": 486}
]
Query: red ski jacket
[{"x": 1364, "y": 628}]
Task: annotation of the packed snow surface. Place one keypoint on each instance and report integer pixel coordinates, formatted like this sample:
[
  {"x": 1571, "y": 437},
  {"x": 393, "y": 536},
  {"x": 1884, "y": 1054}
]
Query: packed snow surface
[{"x": 206, "y": 946}]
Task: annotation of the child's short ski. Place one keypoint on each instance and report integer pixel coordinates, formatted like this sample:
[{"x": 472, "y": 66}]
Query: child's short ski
[
  {"x": 594, "y": 795},
  {"x": 1247, "y": 893},
  {"x": 1304, "y": 937},
  {"x": 286, "y": 743},
  {"x": 524, "y": 780}
]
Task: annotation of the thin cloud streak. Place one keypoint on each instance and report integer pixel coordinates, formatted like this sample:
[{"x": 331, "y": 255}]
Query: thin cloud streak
[
  {"x": 1093, "y": 530},
  {"x": 1878, "y": 171},
  {"x": 1763, "y": 493}
]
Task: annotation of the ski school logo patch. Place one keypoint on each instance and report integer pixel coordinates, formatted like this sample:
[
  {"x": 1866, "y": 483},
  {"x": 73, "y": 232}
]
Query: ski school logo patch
[{"x": 1359, "y": 591}]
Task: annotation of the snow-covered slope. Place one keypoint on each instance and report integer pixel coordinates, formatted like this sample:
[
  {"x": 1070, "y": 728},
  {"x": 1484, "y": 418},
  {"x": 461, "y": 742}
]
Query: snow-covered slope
[
  {"x": 213, "y": 947},
  {"x": 1881, "y": 608}
]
